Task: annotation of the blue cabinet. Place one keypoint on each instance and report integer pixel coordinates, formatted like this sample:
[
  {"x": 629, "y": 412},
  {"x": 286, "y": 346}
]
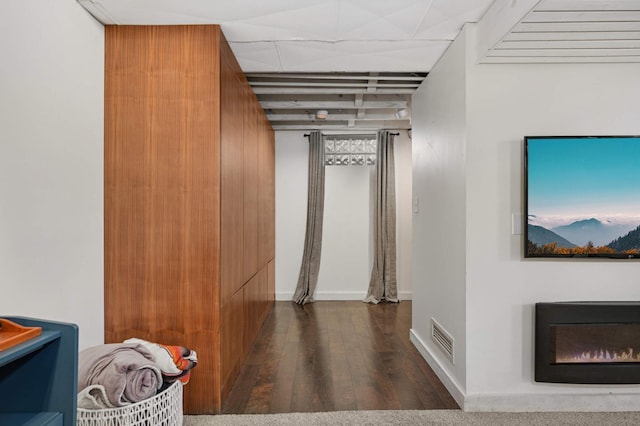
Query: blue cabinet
[{"x": 39, "y": 377}]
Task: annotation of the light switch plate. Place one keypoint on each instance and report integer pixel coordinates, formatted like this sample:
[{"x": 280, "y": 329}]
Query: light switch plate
[{"x": 516, "y": 223}]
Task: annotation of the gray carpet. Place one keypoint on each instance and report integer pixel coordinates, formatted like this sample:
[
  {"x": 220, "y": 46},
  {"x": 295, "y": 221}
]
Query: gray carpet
[{"x": 415, "y": 417}]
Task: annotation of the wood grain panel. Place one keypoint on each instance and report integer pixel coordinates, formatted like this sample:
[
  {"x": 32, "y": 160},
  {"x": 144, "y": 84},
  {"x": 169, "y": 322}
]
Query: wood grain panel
[
  {"x": 271, "y": 204},
  {"x": 232, "y": 174},
  {"x": 264, "y": 304},
  {"x": 271, "y": 284},
  {"x": 252, "y": 301},
  {"x": 232, "y": 335},
  {"x": 256, "y": 305},
  {"x": 266, "y": 194},
  {"x": 161, "y": 194},
  {"x": 181, "y": 200},
  {"x": 250, "y": 252}
]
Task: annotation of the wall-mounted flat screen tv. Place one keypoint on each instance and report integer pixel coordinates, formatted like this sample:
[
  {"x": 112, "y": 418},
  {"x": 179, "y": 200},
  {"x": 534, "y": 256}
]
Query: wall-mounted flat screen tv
[{"x": 582, "y": 196}]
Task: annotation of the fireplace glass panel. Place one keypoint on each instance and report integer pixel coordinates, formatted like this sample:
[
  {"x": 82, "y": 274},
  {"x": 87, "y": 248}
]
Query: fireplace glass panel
[{"x": 595, "y": 343}]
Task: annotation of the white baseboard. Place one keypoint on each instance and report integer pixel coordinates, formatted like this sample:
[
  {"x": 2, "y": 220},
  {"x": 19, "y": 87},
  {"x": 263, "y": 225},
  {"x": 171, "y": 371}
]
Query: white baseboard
[
  {"x": 615, "y": 399},
  {"x": 449, "y": 382},
  {"x": 594, "y": 402},
  {"x": 340, "y": 295}
]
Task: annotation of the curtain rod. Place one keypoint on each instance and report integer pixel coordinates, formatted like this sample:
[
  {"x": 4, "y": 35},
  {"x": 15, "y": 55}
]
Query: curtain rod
[{"x": 352, "y": 135}]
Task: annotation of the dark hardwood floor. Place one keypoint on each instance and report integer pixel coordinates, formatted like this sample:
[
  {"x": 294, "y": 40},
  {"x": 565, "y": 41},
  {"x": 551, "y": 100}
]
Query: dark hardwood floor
[{"x": 330, "y": 356}]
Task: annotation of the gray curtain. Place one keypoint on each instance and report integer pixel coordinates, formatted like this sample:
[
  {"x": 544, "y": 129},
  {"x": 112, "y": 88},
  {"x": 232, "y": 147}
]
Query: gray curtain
[
  {"x": 315, "y": 208},
  {"x": 383, "y": 284}
]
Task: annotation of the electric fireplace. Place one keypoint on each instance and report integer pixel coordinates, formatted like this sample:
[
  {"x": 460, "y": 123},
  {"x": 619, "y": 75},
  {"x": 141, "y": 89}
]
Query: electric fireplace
[{"x": 587, "y": 342}]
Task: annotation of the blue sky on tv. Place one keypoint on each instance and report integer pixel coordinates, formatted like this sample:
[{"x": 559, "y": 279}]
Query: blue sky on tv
[{"x": 584, "y": 177}]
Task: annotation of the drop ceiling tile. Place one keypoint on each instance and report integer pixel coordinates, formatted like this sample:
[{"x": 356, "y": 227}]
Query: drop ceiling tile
[
  {"x": 446, "y": 18},
  {"x": 317, "y": 22},
  {"x": 360, "y": 55},
  {"x": 237, "y": 10},
  {"x": 334, "y": 20},
  {"x": 257, "y": 56},
  {"x": 330, "y": 35},
  {"x": 365, "y": 20},
  {"x": 193, "y": 11},
  {"x": 147, "y": 12}
]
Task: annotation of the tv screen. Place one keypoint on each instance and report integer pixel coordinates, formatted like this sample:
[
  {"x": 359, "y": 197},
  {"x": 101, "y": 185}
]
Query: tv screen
[{"x": 582, "y": 196}]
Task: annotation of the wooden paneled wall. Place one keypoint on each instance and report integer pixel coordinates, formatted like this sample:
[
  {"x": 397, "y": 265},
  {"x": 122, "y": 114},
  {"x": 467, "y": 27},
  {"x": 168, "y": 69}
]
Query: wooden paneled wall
[
  {"x": 245, "y": 297},
  {"x": 189, "y": 201}
]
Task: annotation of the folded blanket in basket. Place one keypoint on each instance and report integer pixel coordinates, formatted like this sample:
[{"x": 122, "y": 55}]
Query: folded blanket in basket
[
  {"x": 175, "y": 362},
  {"x": 126, "y": 371},
  {"x": 94, "y": 397}
]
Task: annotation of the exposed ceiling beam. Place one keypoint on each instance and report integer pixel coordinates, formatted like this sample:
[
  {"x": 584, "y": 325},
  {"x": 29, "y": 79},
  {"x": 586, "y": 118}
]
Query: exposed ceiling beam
[
  {"x": 372, "y": 84},
  {"x": 563, "y": 5},
  {"x": 354, "y": 101},
  {"x": 270, "y": 105},
  {"x": 559, "y": 59},
  {"x": 582, "y": 16},
  {"x": 326, "y": 91},
  {"x": 565, "y": 36},
  {"x": 371, "y": 88},
  {"x": 369, "y": 125},
  {"x": 330, "y": 117},
  {"x": 342, "y": 76},
  {"x": 315, "y": 84},
  {"x": 570, "y": 44},
  {"x": 576, "y": 27},
  {"x": 566, "y": 53}
]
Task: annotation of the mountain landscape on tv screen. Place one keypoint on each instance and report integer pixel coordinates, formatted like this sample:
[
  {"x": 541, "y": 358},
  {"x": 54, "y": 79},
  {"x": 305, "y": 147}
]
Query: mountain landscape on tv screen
[
  {"x": 587, "y": 236},
  {"x": 599, "y": 233},
  {"x": 542, "y": 236},
  {"x": 583, "y": 190},
  {"x": 628, "y": 242}
]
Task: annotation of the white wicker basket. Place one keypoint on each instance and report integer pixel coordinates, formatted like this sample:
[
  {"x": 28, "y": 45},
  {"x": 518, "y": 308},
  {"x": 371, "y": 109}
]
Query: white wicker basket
[{"x": 163, "y": 409}]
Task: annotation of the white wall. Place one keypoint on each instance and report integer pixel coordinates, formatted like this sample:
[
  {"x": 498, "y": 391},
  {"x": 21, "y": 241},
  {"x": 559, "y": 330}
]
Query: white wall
[
  {"x": 503, "y": 104},
  {"x": 509, "y": 102},
  {"x": 347, "y": 240},
  {"x": 347, "y": 247},
  {"x": 51, "y": 164},
  {"x": 404, "y": 218},
  {"x": 291, "y": 209},
  {"x": 439, "y": 226}
]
